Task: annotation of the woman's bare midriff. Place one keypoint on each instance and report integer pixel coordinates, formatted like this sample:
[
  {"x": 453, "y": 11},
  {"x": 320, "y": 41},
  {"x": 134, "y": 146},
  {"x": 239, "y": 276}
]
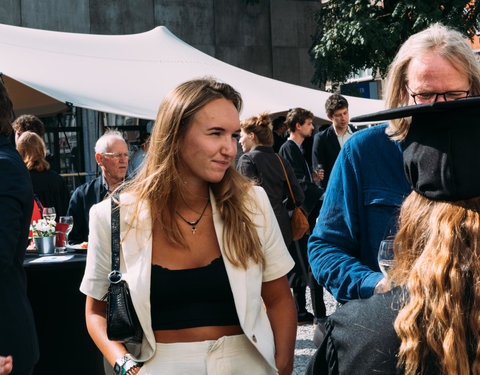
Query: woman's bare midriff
[{"x": 169, "y": 336}]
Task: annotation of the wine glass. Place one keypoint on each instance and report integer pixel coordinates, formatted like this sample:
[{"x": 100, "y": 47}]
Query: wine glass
[
  {"x": 49, "y": 213},
  {"x": 386, "y": 256},
  {"x": 67, "y": 220}
]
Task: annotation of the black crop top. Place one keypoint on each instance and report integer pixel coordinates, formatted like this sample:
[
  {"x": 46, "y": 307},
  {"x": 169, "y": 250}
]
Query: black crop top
[{"x": 188, "y": 298}]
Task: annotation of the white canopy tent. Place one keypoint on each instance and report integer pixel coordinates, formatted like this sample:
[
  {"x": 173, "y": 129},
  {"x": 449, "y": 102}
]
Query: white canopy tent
[{"x": 130, "y": 74}]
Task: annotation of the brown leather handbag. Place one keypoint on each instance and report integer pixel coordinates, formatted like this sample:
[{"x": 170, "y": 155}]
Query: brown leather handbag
[{"x": 298, "y": 220}]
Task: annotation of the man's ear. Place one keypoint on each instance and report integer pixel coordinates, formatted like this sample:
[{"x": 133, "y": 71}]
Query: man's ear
[
  {"x": 98, "y": 158},
  {"x": 297, "y": 126},
  {"x": 330, "y": 117}
]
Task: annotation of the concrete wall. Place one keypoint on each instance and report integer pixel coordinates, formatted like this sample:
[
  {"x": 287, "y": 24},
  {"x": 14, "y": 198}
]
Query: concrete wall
[{"x": 270, "y": 37}]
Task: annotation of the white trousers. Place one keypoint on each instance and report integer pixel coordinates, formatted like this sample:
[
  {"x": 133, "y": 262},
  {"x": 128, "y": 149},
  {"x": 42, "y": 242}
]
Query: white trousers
[{"x": 229, "y": 355}]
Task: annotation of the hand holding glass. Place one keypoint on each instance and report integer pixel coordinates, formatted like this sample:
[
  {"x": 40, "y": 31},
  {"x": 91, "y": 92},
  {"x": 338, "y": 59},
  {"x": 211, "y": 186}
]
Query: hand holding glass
[
  {"x": 318, "y": 168},
  {"x": 319, "y": 171},
  {"x": 49, "y": 213},
  {"x": 68, "y": 220},
  {"x": 386, "y": 256}
]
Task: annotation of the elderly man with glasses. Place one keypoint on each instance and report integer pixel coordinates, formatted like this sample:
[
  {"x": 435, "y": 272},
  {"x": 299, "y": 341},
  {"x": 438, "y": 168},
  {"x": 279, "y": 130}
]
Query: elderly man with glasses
[
  {"x": 368, "y": 184},
  {"x": 111, "y": 154}
]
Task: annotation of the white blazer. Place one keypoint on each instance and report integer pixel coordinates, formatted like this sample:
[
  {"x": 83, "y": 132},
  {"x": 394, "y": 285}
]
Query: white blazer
[{"x": 135, "y": 265}]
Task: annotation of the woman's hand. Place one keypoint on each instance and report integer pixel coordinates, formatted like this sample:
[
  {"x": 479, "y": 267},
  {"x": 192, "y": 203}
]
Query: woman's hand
[
  {"x": 134, "y": 371},
  {"x": 284, "y": 365},
  {"x": 6, "y": 365}
]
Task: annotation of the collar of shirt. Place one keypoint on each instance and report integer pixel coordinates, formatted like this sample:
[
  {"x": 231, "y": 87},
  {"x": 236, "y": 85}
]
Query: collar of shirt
[
  {"x": 348, "y": 131},
  {"x": 299, "y": 146},
  {"x": 105, "y": 184}
]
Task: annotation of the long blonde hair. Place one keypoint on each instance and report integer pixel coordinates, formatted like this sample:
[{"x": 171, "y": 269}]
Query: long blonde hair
[
  {"x": 33, "y": 152},
  {"x": 437, "y": 250},
  {"x": 449, "y": 44},
  {"x": 159, "y": 183}
]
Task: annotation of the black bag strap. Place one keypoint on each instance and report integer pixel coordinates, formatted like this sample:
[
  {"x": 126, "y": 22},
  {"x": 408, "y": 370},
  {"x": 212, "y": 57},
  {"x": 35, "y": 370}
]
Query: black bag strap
[{"x": 115, "y": 276}]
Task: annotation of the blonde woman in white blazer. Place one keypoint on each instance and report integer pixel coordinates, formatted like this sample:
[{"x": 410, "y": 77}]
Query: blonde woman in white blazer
[{"x": 201, "y": 251}]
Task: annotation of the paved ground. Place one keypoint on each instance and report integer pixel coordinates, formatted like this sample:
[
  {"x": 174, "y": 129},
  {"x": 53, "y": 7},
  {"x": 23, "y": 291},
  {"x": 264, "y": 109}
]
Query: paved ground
[{"x": 304, "y": 348}]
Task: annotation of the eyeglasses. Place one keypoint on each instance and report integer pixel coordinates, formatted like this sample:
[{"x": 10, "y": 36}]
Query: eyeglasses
[
  {"x": 117, "y": 155},
  {"x": 432, "y": 97}
]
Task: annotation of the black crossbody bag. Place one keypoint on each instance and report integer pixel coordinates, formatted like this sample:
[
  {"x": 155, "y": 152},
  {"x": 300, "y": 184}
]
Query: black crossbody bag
[{"x": 122, "y": 320}]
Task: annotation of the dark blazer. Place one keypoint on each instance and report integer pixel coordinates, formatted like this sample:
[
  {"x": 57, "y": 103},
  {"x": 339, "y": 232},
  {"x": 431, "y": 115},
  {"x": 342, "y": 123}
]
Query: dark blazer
[
  {"x": 278, "y": 141},
  {"x": 83, "y": 198},
  {"x": 360, "y": 338},
  {"x": 51, "y": 190},
  {"x": 262, "y": 166},
  {"x": 17, "y": 328},
  {"x": 325, "y": 151},
  {"x": 290, "y": 152}
]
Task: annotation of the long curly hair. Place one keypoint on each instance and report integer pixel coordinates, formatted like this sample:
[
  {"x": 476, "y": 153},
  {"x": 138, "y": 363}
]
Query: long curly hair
[
  {"x": 159, "y": 182},
  {"x": 437, "y": 249}
]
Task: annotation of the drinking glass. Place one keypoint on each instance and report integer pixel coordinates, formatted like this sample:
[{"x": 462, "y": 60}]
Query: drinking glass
[
  {"x": 318, "y": 168},
  {"x": 67, "y": 220},
  {"x": 49, "y": 213},
  {"x": 386, "y": 256}
]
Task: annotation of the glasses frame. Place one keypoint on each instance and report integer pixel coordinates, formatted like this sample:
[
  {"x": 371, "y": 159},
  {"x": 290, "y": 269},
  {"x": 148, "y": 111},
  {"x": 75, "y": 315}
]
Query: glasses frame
[
  {"x": 437, "y": 94},
  {"x": 117, "y": 155}
]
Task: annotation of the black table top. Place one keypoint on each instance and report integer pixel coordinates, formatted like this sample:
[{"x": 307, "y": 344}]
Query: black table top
[{"x": 63, "y": 260}]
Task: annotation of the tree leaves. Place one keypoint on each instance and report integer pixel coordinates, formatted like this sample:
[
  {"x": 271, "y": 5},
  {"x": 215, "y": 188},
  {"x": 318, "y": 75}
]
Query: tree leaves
[{"x": 353, "y": 35}]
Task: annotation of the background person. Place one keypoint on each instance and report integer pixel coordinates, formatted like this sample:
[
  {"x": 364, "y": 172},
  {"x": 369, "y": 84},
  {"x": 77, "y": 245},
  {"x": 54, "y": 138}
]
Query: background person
[
  {"x": 31, "y": 123},
  {"x": 18, "y": 336},
  {"x": 48, "y": 185},
  {"x": 111, "y": 154},
  {"x": 327, "y": 143},
  {"x": 279, "y": 129},
  {"x": 368, "y": 184},
  {"x": 260, "y": 164},
  {"x": 136, "y": 160},
  {"x": 202, "y": 251},
  {"x": 300, "y": 126},
  {"x": 25, "y": 123},
  {"x": 428, "y": 323}
]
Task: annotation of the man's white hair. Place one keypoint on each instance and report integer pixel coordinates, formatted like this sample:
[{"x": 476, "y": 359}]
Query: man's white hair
[{"x": 105, "y": 141}]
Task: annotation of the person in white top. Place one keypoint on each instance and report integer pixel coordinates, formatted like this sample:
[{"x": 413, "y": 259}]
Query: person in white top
[{"x": 201, "y": 251}]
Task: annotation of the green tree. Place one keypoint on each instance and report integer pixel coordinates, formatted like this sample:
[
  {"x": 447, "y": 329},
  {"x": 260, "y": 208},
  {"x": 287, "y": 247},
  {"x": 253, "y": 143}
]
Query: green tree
[{"x": 352, "y": 35}]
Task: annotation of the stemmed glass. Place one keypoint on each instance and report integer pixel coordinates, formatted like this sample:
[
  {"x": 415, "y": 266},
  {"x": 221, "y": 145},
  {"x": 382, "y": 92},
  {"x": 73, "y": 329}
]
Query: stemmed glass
[
  {"x": 67, "y": 220},
  {"x": 386, "y": 256},
  {"x": 49, "y": 213}
]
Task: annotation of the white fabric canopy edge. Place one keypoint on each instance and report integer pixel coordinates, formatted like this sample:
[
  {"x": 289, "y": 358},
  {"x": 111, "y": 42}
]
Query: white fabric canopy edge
[{"x": 130, "y": 74}]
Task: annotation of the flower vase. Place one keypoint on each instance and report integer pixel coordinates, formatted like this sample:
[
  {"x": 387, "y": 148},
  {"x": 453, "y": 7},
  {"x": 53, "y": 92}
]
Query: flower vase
[{"x": 45, "y": 245}]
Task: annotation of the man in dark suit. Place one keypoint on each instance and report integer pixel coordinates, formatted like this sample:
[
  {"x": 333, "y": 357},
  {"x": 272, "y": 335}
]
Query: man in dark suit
[
  {"x": 299, "y": 122},
  {"x": 327, "y": 144},
  {"x": 111, "y": 154},
  {"x": 18, "y": 337},
  {"x": 279, "y": 129}
]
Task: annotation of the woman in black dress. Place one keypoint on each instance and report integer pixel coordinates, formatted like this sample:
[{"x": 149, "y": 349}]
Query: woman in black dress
[{"x": 48, "y": 186}]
